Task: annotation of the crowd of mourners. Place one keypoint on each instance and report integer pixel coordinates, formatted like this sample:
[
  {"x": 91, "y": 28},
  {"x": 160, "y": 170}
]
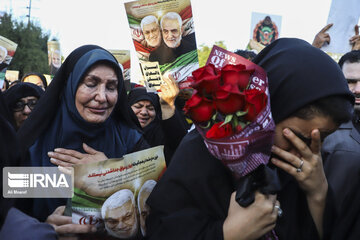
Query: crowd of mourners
[{"x": 85, "y": 114}]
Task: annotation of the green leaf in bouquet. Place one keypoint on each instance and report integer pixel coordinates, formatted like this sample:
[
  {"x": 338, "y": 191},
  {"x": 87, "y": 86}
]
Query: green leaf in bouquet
[
  {"x": 205, "y": 126},
  {"x": 228, "y": 119},
  {"x": 241, "y": 113},
  {"x": 242, "y": 124},
  {"x": 235, "y": 122},
  {"x": 214, "y": 116}
]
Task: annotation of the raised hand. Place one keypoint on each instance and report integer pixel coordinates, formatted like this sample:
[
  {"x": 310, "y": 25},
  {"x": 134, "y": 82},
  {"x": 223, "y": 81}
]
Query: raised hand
[
  {"x": 168, "y": 94},
  {"x": 307, "y": 169},
  {"x": 355, "y": 40},
  {"x": 322, "y": 37}
]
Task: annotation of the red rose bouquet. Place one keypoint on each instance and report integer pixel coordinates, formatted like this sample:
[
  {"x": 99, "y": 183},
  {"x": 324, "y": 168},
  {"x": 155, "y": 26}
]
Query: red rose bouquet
[{"x": 231, "y": 109}]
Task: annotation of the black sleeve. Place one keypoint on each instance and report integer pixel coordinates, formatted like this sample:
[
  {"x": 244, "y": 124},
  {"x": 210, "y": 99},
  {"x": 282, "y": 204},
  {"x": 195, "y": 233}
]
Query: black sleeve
[
  {"x": 296, "y": 223},
  {"x": 174, "y": 130},
  {"x": 191, "y": 200},
  {"x": 182, "y": 220},
  {"x": 347, "y": 226},
  {"x": 140, "y": 145}
]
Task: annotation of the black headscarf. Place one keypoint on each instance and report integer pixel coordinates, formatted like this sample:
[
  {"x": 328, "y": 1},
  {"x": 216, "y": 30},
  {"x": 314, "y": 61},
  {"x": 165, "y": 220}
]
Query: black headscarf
[
  {"x": 299, "y": 74},
  {"x": 18, "y": 91},
  {"x": 9, "y": 155},
  {"x": 55, "y": 121},
  {"x": 21, "y": 90},
  {"x": 48, "y": 106},
  {"x": 153, "y": 132}
]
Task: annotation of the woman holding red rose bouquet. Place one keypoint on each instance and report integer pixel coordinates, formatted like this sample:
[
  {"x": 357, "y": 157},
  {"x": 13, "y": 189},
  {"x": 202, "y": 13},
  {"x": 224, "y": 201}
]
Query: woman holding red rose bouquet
[{"x": 196, "y": 197}]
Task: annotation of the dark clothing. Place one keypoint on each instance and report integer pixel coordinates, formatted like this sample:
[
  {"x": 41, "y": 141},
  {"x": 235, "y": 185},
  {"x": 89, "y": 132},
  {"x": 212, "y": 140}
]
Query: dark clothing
[
  {"x": 43, "y": 115},
  {"x": 296, "y": 223},
  {"x": 191, "y": 200},
  {"x": 347, "y": 226},
  {"x": 163, "y": 54},
  {"x": 9, "y": 154},
  {"x": 297, "y": 74},
  {"x": 56, "y": 122},
  {"x": 3, "y": 67},
  {"x": 14, "y": 224},
  {"x": 167, "y": 132},
  {"x": 341, "y": 156},
  {"x": 19, "y": 226},
  {"x": 18, "y": 91}
]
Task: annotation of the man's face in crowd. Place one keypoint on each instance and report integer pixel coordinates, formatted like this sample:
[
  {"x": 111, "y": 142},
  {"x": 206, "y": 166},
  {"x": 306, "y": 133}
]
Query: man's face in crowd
[
  {"x": 171, "y": 31},
  {"x": 122, "y": 221},
  {"x": 152, "y": 34},
  {"x": 352, "y": 75},
  {"x": 23, "y": 108}
]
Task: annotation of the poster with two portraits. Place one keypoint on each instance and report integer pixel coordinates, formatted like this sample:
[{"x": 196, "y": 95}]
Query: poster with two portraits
[
  {"x": 111, "y": 195},
  {"x": 164, "y": 37}
]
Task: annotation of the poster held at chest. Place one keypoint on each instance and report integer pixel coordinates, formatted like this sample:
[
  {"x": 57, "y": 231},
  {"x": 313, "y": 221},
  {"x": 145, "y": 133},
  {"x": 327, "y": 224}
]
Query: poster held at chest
[
  {"x": 112, "y": 194},
  {"x": 164, "y": 37}
]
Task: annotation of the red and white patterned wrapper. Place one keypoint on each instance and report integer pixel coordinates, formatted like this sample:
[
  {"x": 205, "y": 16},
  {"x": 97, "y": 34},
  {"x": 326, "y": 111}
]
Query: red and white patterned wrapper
[{"x": 244, "y": 151}]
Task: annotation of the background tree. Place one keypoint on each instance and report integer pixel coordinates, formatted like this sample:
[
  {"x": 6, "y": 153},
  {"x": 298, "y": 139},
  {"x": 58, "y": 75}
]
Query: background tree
[
  {"x": 204, "y": 52},
  {"x": 31, "y": 52}
]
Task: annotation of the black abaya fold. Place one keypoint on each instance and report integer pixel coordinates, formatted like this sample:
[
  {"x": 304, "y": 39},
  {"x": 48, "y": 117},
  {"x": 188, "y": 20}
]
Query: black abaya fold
[{"x": 191, "y": 200}]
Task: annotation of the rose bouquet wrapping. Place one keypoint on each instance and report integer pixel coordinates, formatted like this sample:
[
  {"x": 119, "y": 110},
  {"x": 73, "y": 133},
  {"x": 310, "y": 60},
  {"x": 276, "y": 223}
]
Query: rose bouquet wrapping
[
  {"x": 230, "y": 107},
  {"x": 231, "y": 110}
]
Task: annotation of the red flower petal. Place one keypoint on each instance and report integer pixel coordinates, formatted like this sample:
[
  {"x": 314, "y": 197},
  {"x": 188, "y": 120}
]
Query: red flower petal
[
  {"x": 207, "y": 70},
  {"x": 229, "y": 100},
  {"x": 199, "y": 109},
  {"x": 255, "y": 102},
  {"x": 218, "y": 131}
]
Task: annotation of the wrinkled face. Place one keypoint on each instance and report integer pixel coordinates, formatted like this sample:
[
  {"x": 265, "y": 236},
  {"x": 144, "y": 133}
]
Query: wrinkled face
[
  {"x": 22, "y": 109},
  {"x": 171, "y": 31},
  {"x": 152, "y": 34},
  {"x": 352, "y": 75},
  {"x": 97, "y": 94},
  {"x": 144, "y": 210},
  {"x": 35, "y": 80},
  {"x": 56, "y": 59},
  {"x": 302, "y": 128},
  {"x": 144, "y": 111},
  {"x": 122, "y": 221}
]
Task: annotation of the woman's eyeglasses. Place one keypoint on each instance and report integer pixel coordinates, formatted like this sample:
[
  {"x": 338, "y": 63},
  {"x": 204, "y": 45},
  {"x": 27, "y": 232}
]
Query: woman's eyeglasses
[{"x": 19, "y": 106}]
